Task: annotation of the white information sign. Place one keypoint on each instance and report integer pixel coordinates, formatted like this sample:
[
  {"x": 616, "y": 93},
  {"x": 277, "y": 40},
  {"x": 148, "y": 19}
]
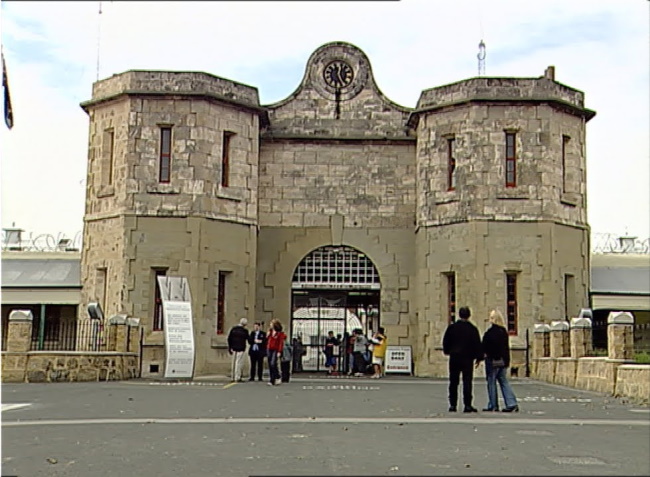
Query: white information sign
[
  {"x": 398, "y": 360},
  {"x": 179, "y": 339}
]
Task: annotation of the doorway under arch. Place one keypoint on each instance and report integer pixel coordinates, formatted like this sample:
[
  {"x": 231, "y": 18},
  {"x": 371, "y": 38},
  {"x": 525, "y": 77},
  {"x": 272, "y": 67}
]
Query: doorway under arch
[{"x": 333, "y": 289}]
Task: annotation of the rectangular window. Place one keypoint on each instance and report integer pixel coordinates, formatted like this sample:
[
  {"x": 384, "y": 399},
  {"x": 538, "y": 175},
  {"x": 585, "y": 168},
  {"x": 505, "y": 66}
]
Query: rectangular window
[
  {"x": 225, "y": 158},
  {"x": 451, "y": 164},
  {"x": 565, "y": 141},
  {"x": 221, "y": 303},
  {"x": 108, "y": 144},
  {"x": 157, "y": 301},
  {"x": 511, "y": 302},
  {"x": 569, "y": 294},
  {"x": 165, "y": 154},
  {"x": 511, "y": 160},
  {"x": 451, "y": 297}
]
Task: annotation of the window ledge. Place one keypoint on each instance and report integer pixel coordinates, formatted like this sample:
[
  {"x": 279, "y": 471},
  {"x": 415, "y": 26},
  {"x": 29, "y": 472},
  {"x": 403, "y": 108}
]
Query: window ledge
[
  {"x": 219, "y": 342},
  {"x": 106, "y": 191},
  {"x": 570, "y": 198},
  {"x": 155, "y": 338},
  {"x": 230, "y": 193},
  {"x": 163, "y": 189},
  {"x": 447, "y": 197},
  {"x": 513, "y": 194}
]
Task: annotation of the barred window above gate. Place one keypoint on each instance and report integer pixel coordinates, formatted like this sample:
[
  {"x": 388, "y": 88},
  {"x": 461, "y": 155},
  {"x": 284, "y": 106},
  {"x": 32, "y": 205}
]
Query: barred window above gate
[{"x": 336, "y": 267}]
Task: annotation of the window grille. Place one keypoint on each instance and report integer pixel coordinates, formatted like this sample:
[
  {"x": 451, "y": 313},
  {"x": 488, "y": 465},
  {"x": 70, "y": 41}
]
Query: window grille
[{"x": 336, "y": 267}]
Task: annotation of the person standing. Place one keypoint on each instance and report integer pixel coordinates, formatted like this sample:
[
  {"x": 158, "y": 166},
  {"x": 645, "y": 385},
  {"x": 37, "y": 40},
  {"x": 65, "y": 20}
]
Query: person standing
[
  {"x": 359, "y": 348},
  {"x": 285, "y": 361},
  {"x": 462, "y": 343},
  {"x": 330, "y": 359},
  {"x": 496, "y": 347},
  {"x": 274, "y": 345},
  {"x": 257, "y": 351},
  {"x": 237, "y": 339},
  {"x": 379, "y": 343},
  {"x": 298, "y": 352}
]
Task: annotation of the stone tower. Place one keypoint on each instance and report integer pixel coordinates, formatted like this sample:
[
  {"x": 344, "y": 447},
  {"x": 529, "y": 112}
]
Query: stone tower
[
  {"x": 501, "y": 206},
  {"x": 171, "y": 190}
]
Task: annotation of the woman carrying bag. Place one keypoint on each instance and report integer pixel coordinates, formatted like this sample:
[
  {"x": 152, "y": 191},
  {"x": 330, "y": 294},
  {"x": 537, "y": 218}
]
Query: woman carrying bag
[{"x": 496, "y": 347}]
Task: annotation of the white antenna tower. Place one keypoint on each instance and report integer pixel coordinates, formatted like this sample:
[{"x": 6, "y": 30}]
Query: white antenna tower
[
  {"x": 99, "y": 36},
  {"x": 481, "y": 58}
]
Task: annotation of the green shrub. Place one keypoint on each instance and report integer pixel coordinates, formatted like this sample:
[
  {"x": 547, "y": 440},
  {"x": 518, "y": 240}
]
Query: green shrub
[{"x": 642, "y": 358}]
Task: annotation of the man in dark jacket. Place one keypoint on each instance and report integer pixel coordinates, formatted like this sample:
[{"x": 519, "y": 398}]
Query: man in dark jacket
[
  {"x": 462, "y": 343},
  {"x": 237, "y": 339},
  {"x": 257, "y": 351}
]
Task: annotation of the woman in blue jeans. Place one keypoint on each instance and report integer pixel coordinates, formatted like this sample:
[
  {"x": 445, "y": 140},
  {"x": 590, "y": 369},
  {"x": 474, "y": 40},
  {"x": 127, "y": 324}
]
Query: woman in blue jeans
[{"x": 496, "y": 347}]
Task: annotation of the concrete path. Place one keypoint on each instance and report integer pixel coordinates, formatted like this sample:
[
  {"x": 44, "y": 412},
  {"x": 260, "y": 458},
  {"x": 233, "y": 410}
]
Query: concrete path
[{"x": 314, "y": 426}]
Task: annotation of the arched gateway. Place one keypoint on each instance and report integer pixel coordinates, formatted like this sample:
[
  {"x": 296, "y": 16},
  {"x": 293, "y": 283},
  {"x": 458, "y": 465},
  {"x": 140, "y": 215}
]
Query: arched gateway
[{"x": 333, "y": 289}]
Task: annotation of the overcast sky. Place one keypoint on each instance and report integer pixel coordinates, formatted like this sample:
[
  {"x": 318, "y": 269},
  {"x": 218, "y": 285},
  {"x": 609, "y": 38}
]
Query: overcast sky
[{"x": 51, "y": 50}]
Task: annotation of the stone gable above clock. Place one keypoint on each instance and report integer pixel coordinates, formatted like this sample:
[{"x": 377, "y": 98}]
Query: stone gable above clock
[{"x": 337, "y": 98}]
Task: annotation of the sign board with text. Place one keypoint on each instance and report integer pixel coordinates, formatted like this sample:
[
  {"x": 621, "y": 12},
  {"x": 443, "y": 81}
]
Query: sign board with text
[
  {"x": 178, "y": 327},
  {"x": 398, "y": 360}
]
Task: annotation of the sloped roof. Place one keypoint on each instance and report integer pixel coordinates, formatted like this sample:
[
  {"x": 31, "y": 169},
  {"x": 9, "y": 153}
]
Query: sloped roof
[
  {"x": 620, "y": 274},
  {"x": 41, "y": 272}
]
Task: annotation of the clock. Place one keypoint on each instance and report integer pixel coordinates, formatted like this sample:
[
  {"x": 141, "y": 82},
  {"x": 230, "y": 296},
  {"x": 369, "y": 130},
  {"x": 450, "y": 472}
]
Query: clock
[{"x": 338, "y": 74}]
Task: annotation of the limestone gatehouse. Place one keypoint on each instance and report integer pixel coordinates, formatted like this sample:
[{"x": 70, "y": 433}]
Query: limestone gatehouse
[{"x": 336, "y": 208}]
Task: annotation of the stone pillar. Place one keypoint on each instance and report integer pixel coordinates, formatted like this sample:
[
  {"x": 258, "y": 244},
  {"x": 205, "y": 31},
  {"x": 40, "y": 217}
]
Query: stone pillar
[
  {"x": 620, "y": 335},
  {"x": 118, "y": 322},
  {"x": 541, "y": 344},
  {"x": 559, "y": 339},
  {"x": 19, "y": 334},
  {"x": 581, "y": 340},
  {"x": 134, "y": 334}
]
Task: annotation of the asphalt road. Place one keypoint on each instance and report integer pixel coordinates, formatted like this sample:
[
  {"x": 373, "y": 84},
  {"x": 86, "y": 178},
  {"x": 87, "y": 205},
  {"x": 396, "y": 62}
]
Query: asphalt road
[{"x": 314, "y": 426}]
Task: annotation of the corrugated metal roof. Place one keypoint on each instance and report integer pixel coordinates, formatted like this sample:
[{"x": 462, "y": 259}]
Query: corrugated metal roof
[{"x": 40, "y": 273}]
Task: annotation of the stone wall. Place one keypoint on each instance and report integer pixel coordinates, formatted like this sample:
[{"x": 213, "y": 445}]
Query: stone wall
[
  {"x": 68, "y": 366},
  {"x": 612, "y": 374},
  {"x": 19, "y": 364}
]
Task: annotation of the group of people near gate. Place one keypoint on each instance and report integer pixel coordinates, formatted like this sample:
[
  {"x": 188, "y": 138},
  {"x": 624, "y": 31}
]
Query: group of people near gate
[
  {"x": 284, "y": 355},
  {"x": 362, "y": 355},
  {"x": 463, "y": 344}
]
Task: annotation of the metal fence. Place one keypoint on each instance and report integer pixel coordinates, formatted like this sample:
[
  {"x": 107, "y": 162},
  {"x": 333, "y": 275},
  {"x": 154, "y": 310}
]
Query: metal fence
[
  {"x": 641, "y": 333},
  {"x": 92, "y": 335}
]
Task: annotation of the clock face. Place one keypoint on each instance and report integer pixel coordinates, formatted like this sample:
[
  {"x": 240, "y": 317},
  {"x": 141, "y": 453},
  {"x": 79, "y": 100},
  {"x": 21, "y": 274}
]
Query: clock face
[{"x": 338, "y": 74}]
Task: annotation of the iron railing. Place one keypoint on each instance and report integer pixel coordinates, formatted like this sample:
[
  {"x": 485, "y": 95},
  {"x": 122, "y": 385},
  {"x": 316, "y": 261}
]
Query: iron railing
[{"x": 68, "y": 335}]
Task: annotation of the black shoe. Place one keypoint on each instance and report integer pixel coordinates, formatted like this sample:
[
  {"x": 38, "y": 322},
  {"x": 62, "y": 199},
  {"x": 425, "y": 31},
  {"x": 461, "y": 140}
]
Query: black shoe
[
  {"x": 489, "y": 409},
  {"x": 252, "y": 379},
  {"x": 452, "y": 408},
  {"x": 470, "y": 409},
  {"x": 511, "y": 409}
]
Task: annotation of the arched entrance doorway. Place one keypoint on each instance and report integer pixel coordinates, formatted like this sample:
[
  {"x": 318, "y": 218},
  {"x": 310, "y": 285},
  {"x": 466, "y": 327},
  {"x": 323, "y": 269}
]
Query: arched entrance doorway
[{"x": 333, "y": 289}]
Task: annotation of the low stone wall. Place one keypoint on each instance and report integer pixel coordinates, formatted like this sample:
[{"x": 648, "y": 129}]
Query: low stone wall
[
  {"x": 561, "y": 356},
  {"x": 633, "y": 380},
  {"x": 67, "y": 366}
]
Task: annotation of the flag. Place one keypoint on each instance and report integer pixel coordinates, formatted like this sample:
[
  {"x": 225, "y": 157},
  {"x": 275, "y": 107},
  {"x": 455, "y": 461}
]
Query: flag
[{"x": 8, "y": 111}]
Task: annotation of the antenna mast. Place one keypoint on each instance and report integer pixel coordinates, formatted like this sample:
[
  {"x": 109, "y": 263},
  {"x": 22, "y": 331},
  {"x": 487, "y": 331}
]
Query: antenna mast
[
  {"x": 481, "y": 58},
  {"x": 99, "y": 36}
]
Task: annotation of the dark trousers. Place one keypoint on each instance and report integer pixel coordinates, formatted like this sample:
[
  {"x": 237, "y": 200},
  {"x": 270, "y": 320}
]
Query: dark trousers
[
  {"x": 285, "y": 368},
  {"x": 458, "y": 365},
  {"x": 359, "y": 363},
  {"x": 257, "y": 365},
  {"x": 274, "y": 372}
]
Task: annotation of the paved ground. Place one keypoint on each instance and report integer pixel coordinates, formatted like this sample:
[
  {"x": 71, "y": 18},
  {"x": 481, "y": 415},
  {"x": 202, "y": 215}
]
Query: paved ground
[{"x": 314, "y": 426}]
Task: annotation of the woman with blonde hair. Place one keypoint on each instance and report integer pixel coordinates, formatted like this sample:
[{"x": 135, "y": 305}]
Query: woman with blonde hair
[{"x": 496, "y": 347}]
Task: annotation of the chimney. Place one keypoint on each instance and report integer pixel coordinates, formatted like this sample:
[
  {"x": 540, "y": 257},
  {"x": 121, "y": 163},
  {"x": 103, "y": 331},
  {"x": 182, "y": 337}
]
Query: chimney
[
  {"x": 549, "y": 73},
  {"x": 627, "y": 244},
  {"x": 63, "y": 245}
]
